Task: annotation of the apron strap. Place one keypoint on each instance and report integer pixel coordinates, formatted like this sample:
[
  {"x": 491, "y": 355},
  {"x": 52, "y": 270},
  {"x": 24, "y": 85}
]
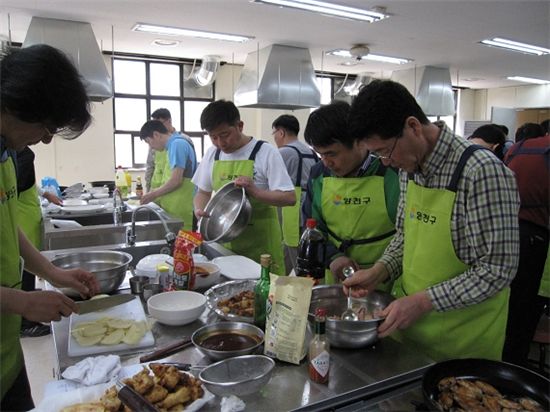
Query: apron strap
[
  {"x": 256, "y": 149},
  {"x": 345, "y": 244},
  {"x": 301, "y": 157},
  {"x": 453, "y": 184}
]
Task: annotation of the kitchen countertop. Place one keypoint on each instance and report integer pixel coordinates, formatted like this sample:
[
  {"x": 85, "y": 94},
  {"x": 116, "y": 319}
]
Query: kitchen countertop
[{"x": 355, "y": 374}]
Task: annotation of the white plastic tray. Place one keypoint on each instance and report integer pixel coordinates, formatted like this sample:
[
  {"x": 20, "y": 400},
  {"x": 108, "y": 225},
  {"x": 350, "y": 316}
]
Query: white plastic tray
[{"x": 238, "y": 267}]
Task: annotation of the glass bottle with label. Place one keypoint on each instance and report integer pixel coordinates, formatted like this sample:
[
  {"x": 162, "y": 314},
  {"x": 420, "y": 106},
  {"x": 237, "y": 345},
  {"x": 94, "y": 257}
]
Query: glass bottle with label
[
  {"x": 139, "y": 188},
  {"x": 261, "y": 291},
  {"x": 319, "y": 348}
]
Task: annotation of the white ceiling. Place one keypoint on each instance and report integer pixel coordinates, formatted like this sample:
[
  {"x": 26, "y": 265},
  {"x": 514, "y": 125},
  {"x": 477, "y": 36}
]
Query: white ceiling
[{"x": 442, "y": 33}]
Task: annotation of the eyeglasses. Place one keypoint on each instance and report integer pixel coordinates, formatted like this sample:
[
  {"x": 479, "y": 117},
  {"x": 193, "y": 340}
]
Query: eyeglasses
[{"x": 388, "y": 157}]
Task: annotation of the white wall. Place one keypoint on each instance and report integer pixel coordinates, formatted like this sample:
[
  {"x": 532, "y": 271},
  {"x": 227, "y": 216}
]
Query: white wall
[{"x": 91, "y": 156}]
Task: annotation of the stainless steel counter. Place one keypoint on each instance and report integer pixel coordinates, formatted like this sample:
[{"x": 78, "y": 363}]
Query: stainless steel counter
[{"x": 354, "y": 374}]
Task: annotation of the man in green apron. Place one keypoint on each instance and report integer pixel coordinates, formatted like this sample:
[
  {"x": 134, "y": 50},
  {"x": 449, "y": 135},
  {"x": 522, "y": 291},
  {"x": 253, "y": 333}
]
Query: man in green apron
[
  {"x": 252, "y": 164},
  {"x": 299, "y": 158},
  {"x": 352, "y": 195},
  {"x": 456, "y": 247},
  {"x": 175, "y": 195},
  {"x": 41, "y": 94}
]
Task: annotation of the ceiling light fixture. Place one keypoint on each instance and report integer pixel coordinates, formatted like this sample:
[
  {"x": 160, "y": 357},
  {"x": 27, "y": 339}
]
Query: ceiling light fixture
[
  {"x": 528, "y": 80},
  {"x": 374, "y": 57},
  {"x": 165, "y": 43},
  {"x": 330, "y": 9},
  {"x": 177, "y": 31},
  {"x": 515, "y": 46}
]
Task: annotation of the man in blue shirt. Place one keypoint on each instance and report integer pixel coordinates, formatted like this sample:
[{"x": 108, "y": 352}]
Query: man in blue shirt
[{"x": 175, "y": 194}]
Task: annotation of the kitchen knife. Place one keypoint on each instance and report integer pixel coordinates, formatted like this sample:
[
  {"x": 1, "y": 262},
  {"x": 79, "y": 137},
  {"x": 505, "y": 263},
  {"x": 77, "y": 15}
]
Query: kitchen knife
[{"x": 94, "y": 305}]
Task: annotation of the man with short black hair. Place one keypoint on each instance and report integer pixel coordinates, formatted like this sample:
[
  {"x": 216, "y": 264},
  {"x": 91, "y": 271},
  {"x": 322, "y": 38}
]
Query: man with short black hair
[
  {"x": 455, "y": 251},
  {"x": 41, "y": 95},
  {"x": 252, "y": 164},
  {"x": 175, "y": 193},
  {"x": 299, "y": 158}
]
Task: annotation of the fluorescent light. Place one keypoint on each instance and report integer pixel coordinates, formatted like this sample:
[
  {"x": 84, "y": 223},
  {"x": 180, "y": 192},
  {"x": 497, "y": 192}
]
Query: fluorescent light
[
  {"x": 329, "y": 8},
  {"x": 528, "y": 80},
  {"x": 515, "y": 46},
  {"x": 374, "y": 57},
  {"x": 177, "y": 31}
]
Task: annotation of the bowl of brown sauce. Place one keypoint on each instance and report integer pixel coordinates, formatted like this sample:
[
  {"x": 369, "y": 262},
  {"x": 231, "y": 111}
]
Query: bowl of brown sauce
[{"x": 227, "y": 339}]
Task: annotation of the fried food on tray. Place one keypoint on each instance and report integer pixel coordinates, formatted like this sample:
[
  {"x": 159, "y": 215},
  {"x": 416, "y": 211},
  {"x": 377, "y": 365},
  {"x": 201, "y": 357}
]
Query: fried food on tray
[
  {"x": 242, "y": 304},
  {"x": 477, "y": 395},
  {"x": 168, "y": 389}
]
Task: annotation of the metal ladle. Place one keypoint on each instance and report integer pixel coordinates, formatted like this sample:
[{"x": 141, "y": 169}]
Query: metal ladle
[{"x": 349, "y": 313}]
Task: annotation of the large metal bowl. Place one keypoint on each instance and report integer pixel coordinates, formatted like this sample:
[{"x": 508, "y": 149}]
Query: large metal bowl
[
  {"x": 246, "y": 337},
  {"x": 346, "y": 333},
  {"x": 108, "y": 266},
  {"x": 229, "y": 213},
  {"x": 240, "y": 376},
  {"x": 227, "y": 290}
]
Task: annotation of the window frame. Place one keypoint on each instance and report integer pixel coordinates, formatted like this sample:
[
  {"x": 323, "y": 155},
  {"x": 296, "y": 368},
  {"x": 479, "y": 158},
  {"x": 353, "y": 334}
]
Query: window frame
[{"x": 148, "y": 97}]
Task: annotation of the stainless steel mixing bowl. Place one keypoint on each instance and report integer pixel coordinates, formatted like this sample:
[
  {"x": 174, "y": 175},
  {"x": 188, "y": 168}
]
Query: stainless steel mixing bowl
[
  {"x": 348, "y": 333},
  {"x": 240, "y": 376},
  {"x": 229, "y": 213},
  {"x": 108, "y": 266},
  {"x": 227, "y": 290}
]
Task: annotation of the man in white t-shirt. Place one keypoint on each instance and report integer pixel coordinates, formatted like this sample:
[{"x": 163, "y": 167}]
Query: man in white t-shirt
[{"x": 249, "y": 163}]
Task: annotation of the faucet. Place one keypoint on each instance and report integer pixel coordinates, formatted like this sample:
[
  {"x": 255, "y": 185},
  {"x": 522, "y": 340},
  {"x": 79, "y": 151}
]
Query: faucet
[
  {"x": 117, "y": 209},
  {"x": 170, "y": 237}
]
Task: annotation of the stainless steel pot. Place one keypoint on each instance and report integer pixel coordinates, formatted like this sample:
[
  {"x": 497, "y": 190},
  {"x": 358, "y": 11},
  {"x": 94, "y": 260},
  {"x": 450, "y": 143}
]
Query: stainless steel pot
[
  {"x": 108, "y": 266},
  {"x": 229, "y": 213},
  {"x": 348, "y": 333}
]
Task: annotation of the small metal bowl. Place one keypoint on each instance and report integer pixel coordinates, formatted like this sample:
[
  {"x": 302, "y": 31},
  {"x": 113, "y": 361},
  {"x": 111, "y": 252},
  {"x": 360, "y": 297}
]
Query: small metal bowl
[
  {"x": 348, "y": 333},
  {"x": 240, "y": 376},
  {"x": 227, "y": 290},
  {"x": 245, "y": 339}
]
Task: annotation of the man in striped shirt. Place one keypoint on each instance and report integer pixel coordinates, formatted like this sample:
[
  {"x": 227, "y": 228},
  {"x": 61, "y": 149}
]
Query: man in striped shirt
[{"x": 456, "y": 247}]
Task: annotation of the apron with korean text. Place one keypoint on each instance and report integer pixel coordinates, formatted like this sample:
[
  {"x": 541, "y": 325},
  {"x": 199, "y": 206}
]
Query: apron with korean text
[
  {"x": 355, "y": 212},
  {"x": 11, "y": 355},
  {"x": 429, "y": 258},
  {"x": 179, "y": 202},
  {"x": 291, "y": 214},
  {"x": 263, "y": 234}
]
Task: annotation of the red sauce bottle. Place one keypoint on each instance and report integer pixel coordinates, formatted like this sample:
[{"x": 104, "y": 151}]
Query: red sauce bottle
[{"x": 319, "y": 348}]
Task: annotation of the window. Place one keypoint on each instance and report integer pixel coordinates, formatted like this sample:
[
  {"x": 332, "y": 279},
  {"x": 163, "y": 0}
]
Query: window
[{"x": 141, "y": 87}]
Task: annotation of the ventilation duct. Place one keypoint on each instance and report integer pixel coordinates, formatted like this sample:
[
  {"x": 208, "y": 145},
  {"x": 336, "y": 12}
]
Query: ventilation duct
[
  {"x": 278, "y": 77},
  {"x": 435, "y": 95},
  {"x": 206, "y": 74},
  {"x": 77, "y": 40}
]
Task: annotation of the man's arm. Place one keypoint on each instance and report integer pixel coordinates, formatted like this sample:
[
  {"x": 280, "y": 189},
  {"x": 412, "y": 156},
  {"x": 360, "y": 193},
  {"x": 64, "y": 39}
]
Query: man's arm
[
  {"x": 199, "y": 202},
  {"x": 175, "y": 181}
]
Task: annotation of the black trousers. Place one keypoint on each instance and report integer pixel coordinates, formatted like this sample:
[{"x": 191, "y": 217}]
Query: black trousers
[
  {"x": 18, "y": 397},
  {"x": 525, "y": 307}
]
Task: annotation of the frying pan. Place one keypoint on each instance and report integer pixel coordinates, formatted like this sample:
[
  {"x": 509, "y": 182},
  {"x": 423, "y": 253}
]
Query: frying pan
[{"x": 511, "y": 380}]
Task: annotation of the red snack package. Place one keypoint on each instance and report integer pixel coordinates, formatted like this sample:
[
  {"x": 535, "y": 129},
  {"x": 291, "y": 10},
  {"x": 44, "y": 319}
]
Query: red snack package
[{"x": 184, "y": 275}]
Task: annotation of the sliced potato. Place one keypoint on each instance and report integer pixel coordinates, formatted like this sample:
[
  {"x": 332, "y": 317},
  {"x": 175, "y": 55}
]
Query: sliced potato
[
  {"x": 116, "y": 323},
  {"x": 93, "y": 329},
  {"x": 103, "y": 295},
  {"x": 87, "y": 340},
  {"x": 113, "y": 338},
  {"x": 135, "y": 333}
]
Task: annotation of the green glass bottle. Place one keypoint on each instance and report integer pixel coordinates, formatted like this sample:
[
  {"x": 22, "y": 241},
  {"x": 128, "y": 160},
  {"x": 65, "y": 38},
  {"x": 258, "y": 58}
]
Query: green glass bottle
[{"x": 261, "y": 291}]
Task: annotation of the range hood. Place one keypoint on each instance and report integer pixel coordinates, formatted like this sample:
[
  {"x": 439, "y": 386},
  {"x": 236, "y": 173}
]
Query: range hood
[
  {"x": 435, "y": 94},
  {"x": 278, "y": 77},
  {"x": 77, "y": 40}
]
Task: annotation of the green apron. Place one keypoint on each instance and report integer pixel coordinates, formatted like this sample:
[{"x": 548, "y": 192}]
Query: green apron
[
  {"x": 366, "y": 229},
  {"x": 161, "y": 159},
  {"x": 263, "y": 234},
  {"x": 178, "y": 203},
  {"x": 544, "y": 289},
  {"x": 291, "y": 214},
  {"x": 429, "y": 258},
  {"x": 30, "y": 216},
  {"x": 11, "y": 355}
]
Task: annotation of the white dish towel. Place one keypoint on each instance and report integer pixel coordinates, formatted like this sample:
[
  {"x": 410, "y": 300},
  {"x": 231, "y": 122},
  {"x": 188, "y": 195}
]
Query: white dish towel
[{"x": 94, "y": 370}]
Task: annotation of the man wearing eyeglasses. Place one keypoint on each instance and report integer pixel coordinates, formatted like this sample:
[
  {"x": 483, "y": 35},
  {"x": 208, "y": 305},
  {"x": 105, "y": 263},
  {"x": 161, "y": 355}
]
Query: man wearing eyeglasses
[
  {"x": 41, "y": 94},
  {"x": 350, "y": 193},
  {"x": 456, "y": 247}
]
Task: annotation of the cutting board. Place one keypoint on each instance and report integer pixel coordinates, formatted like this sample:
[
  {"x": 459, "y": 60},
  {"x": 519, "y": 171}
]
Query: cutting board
[
  {"x": 238, "y": 267},
  {"x": 130, "y": 310}
]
